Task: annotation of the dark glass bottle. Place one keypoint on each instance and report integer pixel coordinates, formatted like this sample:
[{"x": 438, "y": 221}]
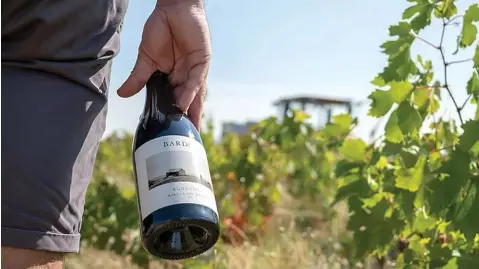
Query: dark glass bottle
[{"x": 177, "y": 207}]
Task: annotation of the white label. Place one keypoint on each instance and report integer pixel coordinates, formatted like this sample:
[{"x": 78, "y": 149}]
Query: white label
[{"x": 179, "y": 156}]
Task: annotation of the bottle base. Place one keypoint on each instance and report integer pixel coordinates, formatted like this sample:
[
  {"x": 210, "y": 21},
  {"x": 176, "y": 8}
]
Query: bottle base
[{"x": 181, "y": 239}]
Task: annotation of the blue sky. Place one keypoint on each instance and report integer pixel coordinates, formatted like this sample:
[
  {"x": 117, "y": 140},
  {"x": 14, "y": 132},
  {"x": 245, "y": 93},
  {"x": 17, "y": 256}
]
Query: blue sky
[{"x": 267, "y": 49}]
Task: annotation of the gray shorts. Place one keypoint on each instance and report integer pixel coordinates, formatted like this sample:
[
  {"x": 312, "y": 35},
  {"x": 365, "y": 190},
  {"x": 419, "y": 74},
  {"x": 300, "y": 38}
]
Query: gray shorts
[{"x": 56, "y": 59}]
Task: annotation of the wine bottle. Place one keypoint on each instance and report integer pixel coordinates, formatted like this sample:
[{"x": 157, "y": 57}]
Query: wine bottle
[{"x": 176, "y": 203}]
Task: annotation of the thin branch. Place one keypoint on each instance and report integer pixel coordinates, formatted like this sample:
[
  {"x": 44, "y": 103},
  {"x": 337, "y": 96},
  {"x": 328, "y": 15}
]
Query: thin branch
[
  {"x": 446, "y": 85},
  {"x": 459, "y": 61},
  {"x": 424, "y": 87},
  {"x": 453, "y": 19},
  {"x": 465, "y": 102},
  {"x": 443, "y": 32},
  {"x": 425, "y": 41},
  {"x": 458, "y": 109}
]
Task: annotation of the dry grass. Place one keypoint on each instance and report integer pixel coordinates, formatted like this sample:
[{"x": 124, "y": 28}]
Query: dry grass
[
  {"x": 286, "y": 252},
  {"x": 285, "y": 246},
  {"x": 96, "y": 259}
]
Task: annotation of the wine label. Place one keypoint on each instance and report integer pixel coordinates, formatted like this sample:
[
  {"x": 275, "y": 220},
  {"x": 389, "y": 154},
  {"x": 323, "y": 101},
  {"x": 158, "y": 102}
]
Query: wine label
[{"x": 173, "y": 170}]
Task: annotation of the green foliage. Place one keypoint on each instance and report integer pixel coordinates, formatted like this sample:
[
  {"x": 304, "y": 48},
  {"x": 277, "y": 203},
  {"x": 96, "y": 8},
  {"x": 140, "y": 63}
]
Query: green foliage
[
  {"x": 413, "y": 194},
  {"x": 469, "y": 30},
  {"x": 423, "y": 185}
]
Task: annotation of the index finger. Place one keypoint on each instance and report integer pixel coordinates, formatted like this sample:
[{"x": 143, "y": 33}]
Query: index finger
[{"x": 195, "y": 112}]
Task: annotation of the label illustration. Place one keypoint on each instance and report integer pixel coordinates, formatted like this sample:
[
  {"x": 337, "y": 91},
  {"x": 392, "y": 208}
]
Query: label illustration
[{"x": 173, "y": 170}]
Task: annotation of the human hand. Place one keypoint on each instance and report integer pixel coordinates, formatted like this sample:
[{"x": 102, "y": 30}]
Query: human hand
[{"x": 175, "y": 41}]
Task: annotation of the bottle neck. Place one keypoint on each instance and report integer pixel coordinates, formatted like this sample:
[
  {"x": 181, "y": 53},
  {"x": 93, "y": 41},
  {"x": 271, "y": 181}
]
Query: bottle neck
[{"x": 160, "y": 100}]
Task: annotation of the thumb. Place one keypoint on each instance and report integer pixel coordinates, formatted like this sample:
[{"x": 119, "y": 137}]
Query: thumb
[{"x": 138, "y": 77}]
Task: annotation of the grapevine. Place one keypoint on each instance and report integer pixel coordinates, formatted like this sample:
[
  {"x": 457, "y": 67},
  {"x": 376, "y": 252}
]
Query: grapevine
[{"x": 418, "y": 188}]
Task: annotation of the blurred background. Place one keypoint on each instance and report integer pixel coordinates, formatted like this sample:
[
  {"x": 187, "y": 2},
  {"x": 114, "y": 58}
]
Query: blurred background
[
  {"x": 268, "y": 50},
  {"x": 313, "y": 55}
]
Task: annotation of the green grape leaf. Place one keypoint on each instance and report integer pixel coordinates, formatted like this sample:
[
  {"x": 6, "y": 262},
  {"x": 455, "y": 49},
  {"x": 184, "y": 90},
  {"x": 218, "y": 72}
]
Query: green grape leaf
[
  {"x": 400, "y": 90},
  {"x": 446, "y": 9},
  {"x": 441, "y": 192},
  {"x": 402, "y": 29},
  {"x": 374, "y": 227},
  {"x": 468, "y": 261},
  {"x": 469, "y": 30},
  {"x": 446, "y": 132},
  {"x": 410, "y": 179},
  {"x": 408, "y": 117},
  {"x": 300, "y": 116},
  {"x": 425, "y": 65},
  {"x": 381, "y": 103},
  {"x": 378, "y": 81},
  {"x": 412, "y": 10},
  {"x": 421, "y": 97},
  {"x": 467, "y": 219},
  {"x": 476, "y": 101},
  {"x": 470, "y": 135},
  {"x": 400, "y": 64},
  {"x": 451, "y": 264},
  {"x": 391, "y": 148},
  {"x": 433, "y": 104},
  {"x": 374, "y": 200},
  {"x": 392, "y": 130},
  {"x": 423, "y": 223},
  {"x": 441, "y": 256},
  {"x": 472, "y": 13},
  {"x": 475, "y": 59},
  {"x": 382, "y": 163},
  {"x": 354, "y": 149},
  {"x": 344, "y": 122},
  {"x": 409, "y": 157},
  {"x": 357, "y": 186},
  {"x": 422, "y": 9},
  {"x": 473, "y": 84},
  {"x": 415, "y": 253},
  {"x": 475, "y": 149},
  {"x": 405, "y": 200},
  {"x": 466, "y": 203},
  {"x": 345, "y": 167}
]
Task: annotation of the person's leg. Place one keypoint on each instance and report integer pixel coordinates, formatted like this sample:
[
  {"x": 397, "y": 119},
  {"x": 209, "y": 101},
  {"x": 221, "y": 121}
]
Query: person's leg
[
  {"x": 51, "y": 128},
  {"x": 32, "y": 259},
  {"x": 56, "y": 59}
]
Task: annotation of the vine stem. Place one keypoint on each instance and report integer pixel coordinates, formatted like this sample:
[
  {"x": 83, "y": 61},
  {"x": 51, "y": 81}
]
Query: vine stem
[
  {"x": 465, "y": 102},
  {"x": 446, "y": 64},
  {"x": 459, "y": 61},
  {"x": 425, "y": 41},
  {"x": 453, "y": 19},
  {"x": 458, "y": 109},
  {"x": 446, "y": 85}
]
